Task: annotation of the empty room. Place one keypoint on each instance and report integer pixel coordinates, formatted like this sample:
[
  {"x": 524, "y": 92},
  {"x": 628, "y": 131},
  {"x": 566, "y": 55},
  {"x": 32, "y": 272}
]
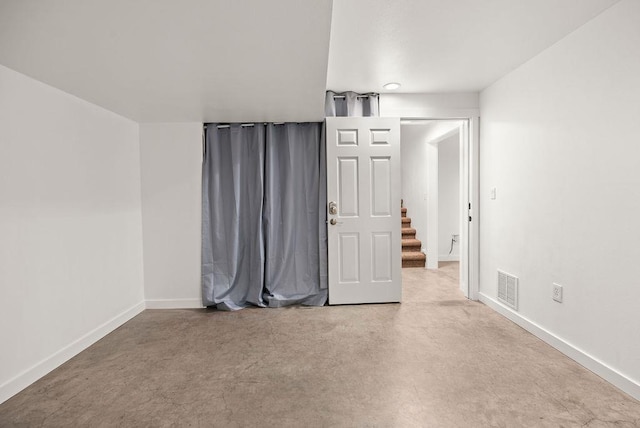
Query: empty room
[{"x": 349, "y": 213}]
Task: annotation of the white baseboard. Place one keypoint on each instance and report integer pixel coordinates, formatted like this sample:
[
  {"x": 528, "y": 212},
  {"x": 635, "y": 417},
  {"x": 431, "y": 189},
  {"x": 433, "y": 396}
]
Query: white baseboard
[
  {"x": 32, "y": 374},
  {"x": 174, "y": 304},
  {"x": 449, "y": 258},
  {"x": 600, "y": 368}
]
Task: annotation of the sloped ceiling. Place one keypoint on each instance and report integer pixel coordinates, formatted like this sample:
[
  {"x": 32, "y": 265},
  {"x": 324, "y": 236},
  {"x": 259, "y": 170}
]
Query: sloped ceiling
[
  {"x": 176, "y": 60},
  {"x": 257, "y": 60}
]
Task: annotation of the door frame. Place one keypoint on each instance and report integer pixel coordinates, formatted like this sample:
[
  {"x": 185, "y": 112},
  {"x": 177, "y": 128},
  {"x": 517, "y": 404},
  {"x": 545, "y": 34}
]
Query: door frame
[{"x": 469, "y": 242}]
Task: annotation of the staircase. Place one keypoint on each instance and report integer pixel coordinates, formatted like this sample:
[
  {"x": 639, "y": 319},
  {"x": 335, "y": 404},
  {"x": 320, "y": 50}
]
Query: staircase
[{"x": 411, "y": 255}]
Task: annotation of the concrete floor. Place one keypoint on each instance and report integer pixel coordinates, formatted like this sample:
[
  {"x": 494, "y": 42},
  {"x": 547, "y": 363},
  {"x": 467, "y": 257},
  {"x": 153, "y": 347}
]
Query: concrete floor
[{"x": 437, "y": 360}]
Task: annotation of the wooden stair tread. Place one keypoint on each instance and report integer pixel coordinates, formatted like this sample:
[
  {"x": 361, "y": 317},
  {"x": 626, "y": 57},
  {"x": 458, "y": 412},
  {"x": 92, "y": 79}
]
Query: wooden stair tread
[
  {"x": 411, "y": 242},
  {"x": 403, "y": 210},
  {"x": 406, "y": 220},
  {"x": 413, "y": 259},
  {"x": 408, "y": 230},
  {"x": 413, "y": 255}
]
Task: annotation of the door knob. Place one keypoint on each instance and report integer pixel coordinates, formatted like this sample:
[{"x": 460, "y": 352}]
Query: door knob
[
  {"x": 333, "y": 221},
  {"x": 333, "y": 208}
]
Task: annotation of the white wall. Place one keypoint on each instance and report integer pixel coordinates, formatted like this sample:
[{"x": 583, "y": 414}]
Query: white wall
[
  {"x": 171, "y": 162},
  {"x": 448, "y": 197},
  {"x": 429, "y": 106},
  {"x": 413, "y": 155},
  {"x": 560, "y": 144},
  {"x": 70, "y": 227},
  {"x": 171, "y": 159}
]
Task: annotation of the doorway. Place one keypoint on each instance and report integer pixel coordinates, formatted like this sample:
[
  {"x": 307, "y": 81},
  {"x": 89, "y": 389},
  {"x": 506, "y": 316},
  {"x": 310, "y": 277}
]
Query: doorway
[
  {"x": 376, "y": 252},
  {"x": 435, "y": 193}
]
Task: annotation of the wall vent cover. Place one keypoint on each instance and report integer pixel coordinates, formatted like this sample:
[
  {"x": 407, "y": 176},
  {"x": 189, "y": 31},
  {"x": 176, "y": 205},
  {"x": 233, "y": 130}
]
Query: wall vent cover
[{"x": 508, "y": 289}]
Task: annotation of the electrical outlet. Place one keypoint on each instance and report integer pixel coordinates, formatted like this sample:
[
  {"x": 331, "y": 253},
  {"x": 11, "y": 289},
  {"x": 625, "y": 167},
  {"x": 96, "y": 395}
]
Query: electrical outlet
[{"x": 557, "y": 292}]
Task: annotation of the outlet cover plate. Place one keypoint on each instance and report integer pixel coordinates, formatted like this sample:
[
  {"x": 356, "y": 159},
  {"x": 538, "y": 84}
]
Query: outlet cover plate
[{"x": 557, "y": 292}]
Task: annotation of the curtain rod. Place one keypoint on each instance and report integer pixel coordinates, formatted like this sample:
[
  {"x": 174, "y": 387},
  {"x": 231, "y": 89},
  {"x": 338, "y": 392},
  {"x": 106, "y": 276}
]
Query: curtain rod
[
  {"x": 227, "y": 125},
  {"x": 344, "y": 96}
]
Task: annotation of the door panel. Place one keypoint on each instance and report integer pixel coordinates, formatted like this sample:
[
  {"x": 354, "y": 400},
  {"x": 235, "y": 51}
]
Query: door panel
[
  {"x": 363, "y": 191},
  {"x": 348, "y": 195},
  {"x": 381, "y": 187},
  {"x": 349, "y": 257},
  {"x": 382, "y": 259}
]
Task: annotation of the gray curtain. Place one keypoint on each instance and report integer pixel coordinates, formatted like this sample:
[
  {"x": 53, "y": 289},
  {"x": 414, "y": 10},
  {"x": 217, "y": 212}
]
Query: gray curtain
[
  {"x": 351, "y": 104},
  {"x": 232, "y": 200},
  {"x": 263, "y": 216},
  {"x": 294, "y": 222}
]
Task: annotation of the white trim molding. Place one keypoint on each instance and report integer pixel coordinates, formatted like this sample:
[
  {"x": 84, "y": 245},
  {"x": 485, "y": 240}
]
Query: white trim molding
[
  {"x": 611, "y": 375},
  {"x": 32, "y": 374},
  {"x": 174, "y": 303}
]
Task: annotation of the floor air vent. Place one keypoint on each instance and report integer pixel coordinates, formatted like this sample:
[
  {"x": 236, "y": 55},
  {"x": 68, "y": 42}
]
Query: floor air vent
[{"x": 508, "y": 289}]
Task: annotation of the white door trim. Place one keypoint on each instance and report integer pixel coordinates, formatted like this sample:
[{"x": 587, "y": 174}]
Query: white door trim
[{"x": 433, "y": 193}]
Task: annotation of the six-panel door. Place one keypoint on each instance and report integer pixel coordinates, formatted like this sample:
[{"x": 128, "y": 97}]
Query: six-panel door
[{"x": 363, "y": 186}]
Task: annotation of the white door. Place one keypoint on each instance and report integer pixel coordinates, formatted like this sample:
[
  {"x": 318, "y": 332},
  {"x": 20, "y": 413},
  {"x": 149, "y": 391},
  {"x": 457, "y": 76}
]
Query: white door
[{"x": 363, "y": 202}]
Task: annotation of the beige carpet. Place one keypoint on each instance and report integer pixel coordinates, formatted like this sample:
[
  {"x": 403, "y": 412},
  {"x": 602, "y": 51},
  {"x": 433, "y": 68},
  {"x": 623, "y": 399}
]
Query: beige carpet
[{"x": 437, "y": 360}]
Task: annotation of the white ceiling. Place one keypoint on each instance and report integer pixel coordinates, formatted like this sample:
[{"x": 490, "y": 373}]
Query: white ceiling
[
  {"x": 255, "y": 60},
  {"x": 444, "y": 45}
]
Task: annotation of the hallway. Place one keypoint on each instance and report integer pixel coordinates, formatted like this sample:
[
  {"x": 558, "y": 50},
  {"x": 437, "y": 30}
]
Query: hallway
[{"x": 436, "y": 360}]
